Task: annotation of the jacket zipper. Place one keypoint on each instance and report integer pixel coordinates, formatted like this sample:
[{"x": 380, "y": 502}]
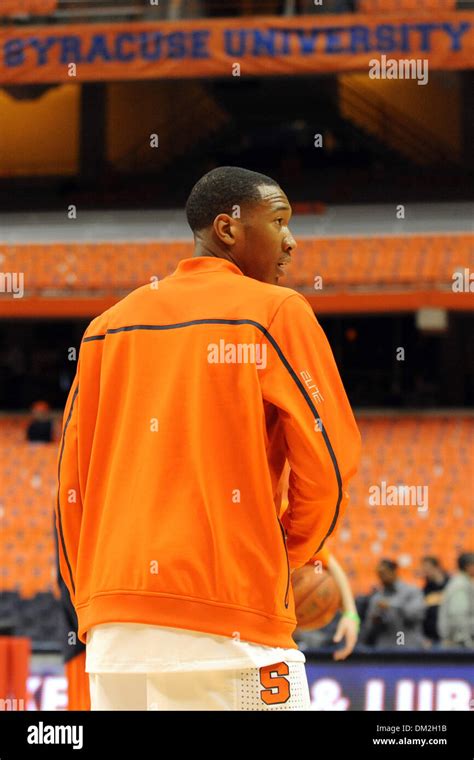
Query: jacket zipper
[{"x": 287, "y": 601}]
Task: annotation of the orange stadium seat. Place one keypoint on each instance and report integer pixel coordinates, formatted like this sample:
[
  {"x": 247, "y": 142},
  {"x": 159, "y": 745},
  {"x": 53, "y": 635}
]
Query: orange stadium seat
[
  {"x": 412, "y": 451},
  {"x": 414, "y": 261},
  {"x": 31, "y": 7}
]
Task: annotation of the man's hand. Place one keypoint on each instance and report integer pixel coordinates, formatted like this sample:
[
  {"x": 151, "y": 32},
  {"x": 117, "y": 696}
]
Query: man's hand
[
  {"x": 347, "y": 629},
  {"x": 433, "y": 599}
]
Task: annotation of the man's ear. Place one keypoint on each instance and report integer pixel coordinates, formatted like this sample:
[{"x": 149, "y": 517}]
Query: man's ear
[{"x": 225, "y": 227}]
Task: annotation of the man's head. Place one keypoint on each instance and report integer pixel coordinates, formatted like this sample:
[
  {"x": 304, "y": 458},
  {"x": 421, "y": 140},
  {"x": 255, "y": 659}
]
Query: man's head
[
  {"x": 466, "y": 563},
  {"x": 242, "y": 216},
  {"x": 387, "y": 572},
  {"x": 430, "y": 568},
  {"x": 40, "y": 410}
]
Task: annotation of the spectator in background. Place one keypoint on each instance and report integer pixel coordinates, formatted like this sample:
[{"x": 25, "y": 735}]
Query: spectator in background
[
  {"x": 435, "y": 580},
  {"x": 456, "y": 612},
  {"x": 41, "y": 427},
  {"x": 395, "y": 612}
]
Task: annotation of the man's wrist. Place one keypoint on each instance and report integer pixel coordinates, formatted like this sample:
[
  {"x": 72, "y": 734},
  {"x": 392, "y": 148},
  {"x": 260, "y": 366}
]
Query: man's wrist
[{"x": 352, "y": 616}]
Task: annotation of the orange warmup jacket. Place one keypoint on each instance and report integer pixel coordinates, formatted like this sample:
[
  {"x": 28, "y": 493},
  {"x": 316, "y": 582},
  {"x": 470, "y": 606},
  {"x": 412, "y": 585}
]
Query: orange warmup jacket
[
  {"x": 189, "y": 396},
  {"x": 322, "y": 556}
]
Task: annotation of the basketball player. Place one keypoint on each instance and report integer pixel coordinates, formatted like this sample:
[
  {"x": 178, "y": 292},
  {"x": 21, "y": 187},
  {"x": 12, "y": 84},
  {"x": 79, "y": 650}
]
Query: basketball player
[{"x": 189, "y": 396}]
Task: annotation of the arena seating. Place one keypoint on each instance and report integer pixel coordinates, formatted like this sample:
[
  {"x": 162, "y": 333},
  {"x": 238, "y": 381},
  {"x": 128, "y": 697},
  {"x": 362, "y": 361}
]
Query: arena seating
[
  {"x": 413, "y": 450},
  {"x": 30, "y": 7},
  {"x": 379, "y": 261},
  {"x": 409, "y": 451}
]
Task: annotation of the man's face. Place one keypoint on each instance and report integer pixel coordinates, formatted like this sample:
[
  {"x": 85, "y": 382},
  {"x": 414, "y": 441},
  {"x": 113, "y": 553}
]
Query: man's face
[
  {"x": 427, "y": 570},
  {"x": 386, "y": 575},
  {"x": 470, "y": 570},
  {"x": 262, "y": 240}
]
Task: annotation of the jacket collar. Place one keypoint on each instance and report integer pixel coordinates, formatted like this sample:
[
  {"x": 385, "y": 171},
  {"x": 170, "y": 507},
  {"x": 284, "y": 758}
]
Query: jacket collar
[{"x": 203, "y": 264}]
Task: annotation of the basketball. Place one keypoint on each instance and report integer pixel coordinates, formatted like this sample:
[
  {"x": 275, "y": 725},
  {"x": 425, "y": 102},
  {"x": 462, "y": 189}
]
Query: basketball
[{"x": 317, "y": 598}]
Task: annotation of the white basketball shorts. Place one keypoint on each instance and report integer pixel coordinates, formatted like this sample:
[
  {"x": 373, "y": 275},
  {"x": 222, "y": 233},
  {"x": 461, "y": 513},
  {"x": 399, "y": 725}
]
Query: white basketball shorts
[{"x": 281, "y": 686}]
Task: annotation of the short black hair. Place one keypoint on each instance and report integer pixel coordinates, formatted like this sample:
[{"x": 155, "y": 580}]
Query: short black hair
[
  {"x": 218, "y": 191},
  {"x": 390, "y": 564},
  {"x": 431, "y": 560},
  {"x": 464, "y": 560}
]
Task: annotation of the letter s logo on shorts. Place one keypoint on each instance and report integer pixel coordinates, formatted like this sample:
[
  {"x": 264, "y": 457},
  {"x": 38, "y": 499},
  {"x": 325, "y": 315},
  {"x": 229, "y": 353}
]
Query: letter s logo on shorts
[{"x": 277, "y": 687}]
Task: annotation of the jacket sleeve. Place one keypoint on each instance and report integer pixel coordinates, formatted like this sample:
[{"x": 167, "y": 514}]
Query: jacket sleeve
[
  {"x": 68, "y": 498},
  {"x": 74, "y": 454},
  {"x": 322, "y": 439}
]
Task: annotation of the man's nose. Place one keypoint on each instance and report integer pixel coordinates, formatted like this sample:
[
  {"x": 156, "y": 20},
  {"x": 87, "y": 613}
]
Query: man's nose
[{"x": 290, "y": 243}]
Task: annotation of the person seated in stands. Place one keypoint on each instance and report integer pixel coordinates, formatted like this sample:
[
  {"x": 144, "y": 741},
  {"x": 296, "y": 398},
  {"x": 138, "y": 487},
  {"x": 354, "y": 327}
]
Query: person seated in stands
[
  {"x": 395, "y": 612},
  {"x": 41, "y": 427},
  {"x": 456, "y": 611},
  {"x": 436, "y": 579}
]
